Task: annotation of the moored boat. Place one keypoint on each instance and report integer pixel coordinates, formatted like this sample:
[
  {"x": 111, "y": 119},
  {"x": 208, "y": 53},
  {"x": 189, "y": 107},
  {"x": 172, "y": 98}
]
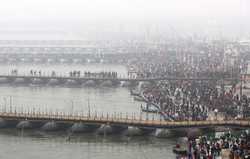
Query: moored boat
[
  {"x": 180, "y": 151},
  {"x": 138, "y": 98},
  {"x": 134, "y": 92},
  {"x": 149, "y": 108}
]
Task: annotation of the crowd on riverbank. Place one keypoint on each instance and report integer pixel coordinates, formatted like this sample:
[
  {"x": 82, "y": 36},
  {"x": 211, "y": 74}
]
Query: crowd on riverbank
[
  {"x": 178, "y": 69},
  {"x": 227, "y": 146},
  {"x": 147, "y": 69},
  {"x": 193, "y": 59},
  {"x": 194, "y": 100}
]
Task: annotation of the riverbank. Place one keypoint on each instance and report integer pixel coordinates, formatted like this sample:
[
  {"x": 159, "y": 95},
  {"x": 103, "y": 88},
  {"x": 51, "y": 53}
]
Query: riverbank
[{"x": 223, "y": 145}]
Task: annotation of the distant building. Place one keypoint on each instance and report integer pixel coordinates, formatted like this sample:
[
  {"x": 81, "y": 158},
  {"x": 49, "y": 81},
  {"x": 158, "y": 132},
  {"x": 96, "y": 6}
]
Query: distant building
[{"x": 244, "y": 42}]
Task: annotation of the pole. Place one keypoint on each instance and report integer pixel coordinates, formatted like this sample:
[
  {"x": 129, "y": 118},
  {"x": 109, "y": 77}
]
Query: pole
[
  {"x": 10, "y": 104},
  {"x": 88, "y": 108},
  {"x": 240, "y": 86},
  {"x": 5, "y": 104},
  {"x": 72, "y": 107}
]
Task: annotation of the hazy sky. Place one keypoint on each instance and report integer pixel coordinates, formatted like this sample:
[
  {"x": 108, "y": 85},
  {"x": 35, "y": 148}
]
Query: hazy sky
[
  {"x": 74, "y": 14},
  {"x": 92, "y": 9}
]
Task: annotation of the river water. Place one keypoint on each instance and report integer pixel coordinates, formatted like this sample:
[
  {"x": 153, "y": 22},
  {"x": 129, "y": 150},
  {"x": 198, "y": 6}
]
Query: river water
[
  {"x": 25, "y": 145},
  {"x": 30, "y": 145}
]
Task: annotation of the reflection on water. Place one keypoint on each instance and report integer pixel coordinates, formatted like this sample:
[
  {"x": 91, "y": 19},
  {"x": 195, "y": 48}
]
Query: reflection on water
[
  {"x": 66, "y": 99},
  {"x": 69, "y": 99},
  {"x": 41, "y": 145},
  {"x": 62, "y": 99},
  {"x": 56, "y": 145}
]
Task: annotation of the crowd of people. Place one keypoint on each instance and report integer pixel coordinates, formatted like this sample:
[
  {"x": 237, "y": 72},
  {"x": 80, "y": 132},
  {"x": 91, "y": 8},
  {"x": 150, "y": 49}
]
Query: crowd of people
[
  {"x": 194, "y": 100},
  {"x": 14, "y": 72},
  {"x": 35, "y": 72},
  {"x": 187, "y": 99},
  {"x": 193, "y": 59},
  {"x": 227, "y": 145},
  {"x": 177, "y": 102},
  {"x": 41, "y": 73},
  {"x": 77, "y": 73},
  {"x": 148, "y": 69},
  {"x": 102, "y": 74},
  {"x": 74, "y": 73},
  {"x": 89, "y": 74}
]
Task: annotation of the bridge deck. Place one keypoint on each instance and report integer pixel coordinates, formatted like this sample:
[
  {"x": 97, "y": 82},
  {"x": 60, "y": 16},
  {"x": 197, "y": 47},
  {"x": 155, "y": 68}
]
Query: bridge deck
[
  {"x": 120, "y": 120},
  {"x": 45, "y": 77}
]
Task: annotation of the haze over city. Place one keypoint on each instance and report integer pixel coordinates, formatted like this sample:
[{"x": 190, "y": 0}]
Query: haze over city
[
  {"x": 125, "y": 79},
  {"x": 122, "y": 19}
]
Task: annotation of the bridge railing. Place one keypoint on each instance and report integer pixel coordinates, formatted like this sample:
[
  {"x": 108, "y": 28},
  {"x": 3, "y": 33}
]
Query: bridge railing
[
  {"x": 120, "y": 118},
  {"x": 21, "y": 111},
  {"x": 121, "y": 78},
  {"x": 61, "y": 75}
]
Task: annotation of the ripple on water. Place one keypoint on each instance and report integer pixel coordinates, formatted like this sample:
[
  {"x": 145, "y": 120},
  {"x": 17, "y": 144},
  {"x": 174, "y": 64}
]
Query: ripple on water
[
  {"x": 54, "y": 145},
  {"x": 41, "y": 145}
]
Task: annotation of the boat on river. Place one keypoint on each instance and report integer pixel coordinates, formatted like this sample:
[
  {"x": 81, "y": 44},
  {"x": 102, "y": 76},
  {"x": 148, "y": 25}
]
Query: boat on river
[
  {"x": 180, "y": 151},
  {"x": 149, "y": 108},
  {"x": 134, "y": 92},
  {"x": 138, "y": 98}
]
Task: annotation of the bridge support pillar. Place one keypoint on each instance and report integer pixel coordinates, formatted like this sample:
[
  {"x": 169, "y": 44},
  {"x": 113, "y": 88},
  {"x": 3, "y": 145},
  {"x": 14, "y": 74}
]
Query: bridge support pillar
[
  {"x": 8, "y": 123},
  {"x": 89, "y": 83},
  {"x": 2, "y": 123},
  {"x": 81, "y": 127},
  {"x": 137, "y": 131},
  {"x": 5, "y": 80},
  {"x": 38, "y": 81},
  {"x": 162, "y": 133},
  {"x": 133, "y": 131},
  {"x": 106, "y": 129},
  {"x": 54, "y": 126},
  {"x": 53, "y": 82},
  {"x": 130, "y": 83},
  {"x": 20, "y": 81},
  {"x": 25, "y": 124},
  {"x": 147, "y": 131},
  {"x": 72, "y": 83},
  {"x": 107, "y": 83}
]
